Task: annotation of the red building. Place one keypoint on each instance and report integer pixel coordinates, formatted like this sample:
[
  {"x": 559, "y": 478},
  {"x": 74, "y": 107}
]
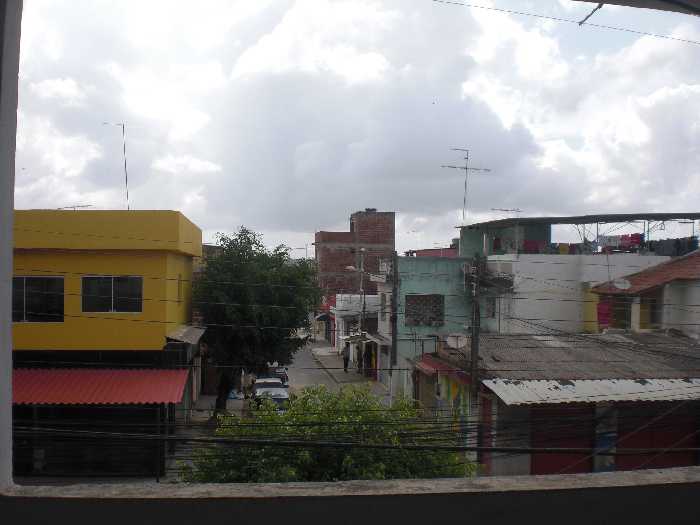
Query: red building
[{"x": 371, "y": 237}]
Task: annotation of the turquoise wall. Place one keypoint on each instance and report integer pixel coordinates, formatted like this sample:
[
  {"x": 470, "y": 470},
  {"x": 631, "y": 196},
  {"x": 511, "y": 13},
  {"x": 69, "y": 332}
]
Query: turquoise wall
[{"x": 431, "y": 275}]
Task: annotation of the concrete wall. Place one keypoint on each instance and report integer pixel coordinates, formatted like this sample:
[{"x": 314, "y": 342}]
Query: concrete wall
[
  {"x": 161, "y": 230},
  {"x": 661, "y": 496},
  {"x": 552, "y": 290},
  {"x": 427, "y": 275},
  {"x": 10, "y": 29},
  {"x": 681, "y": 308},
  {"x": 107, "y": 331}
]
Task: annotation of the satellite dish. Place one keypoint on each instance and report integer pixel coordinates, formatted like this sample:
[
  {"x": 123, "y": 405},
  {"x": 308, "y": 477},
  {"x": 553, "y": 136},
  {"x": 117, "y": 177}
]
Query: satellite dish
[
  {"x": 457, "y": 341},
  {"x": 622, "y": 284}
]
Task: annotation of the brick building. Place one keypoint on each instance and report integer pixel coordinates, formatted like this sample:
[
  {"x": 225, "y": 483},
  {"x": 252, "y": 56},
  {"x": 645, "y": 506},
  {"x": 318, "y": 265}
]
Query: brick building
[{"x": 369, "y": 229}]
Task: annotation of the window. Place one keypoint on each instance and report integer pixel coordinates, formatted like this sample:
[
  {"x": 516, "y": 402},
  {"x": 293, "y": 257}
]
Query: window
[
  {"x": 382, "y": 307},
  {"x": 425, "y": 310},
  {"x": 37, "y": 299},
  {"x": 112, "y": 294},
  {"x": 490, "y": 304}
]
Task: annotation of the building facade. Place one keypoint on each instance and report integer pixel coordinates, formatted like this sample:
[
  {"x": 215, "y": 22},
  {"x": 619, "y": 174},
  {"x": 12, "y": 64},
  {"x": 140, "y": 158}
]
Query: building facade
[
  {"x": 618, "y": 392},
  {"x": 665, "y": 296},
  {"x": 102, "y": 334},
  {"x": 371, "y": 237},
  {"x": 432, "y": 302},
  {"x": 547, "y": 291}
]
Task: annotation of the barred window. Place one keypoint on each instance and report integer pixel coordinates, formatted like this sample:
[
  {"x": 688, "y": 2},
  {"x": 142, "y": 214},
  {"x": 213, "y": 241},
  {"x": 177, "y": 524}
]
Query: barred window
[{"x": 425, "y": 310}]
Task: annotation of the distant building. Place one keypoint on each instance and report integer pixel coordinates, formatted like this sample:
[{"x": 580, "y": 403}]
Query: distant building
[
  {"x": 432, "y": 302},
  {"x": 545, "y": 286},
  {"x": 450, "y": 252},
  {"x": 371, "y": 237},
  {"x": 665, "y": 296},
  {"x": 108, "y": 295},
  {"x": 364, "y": 343}
]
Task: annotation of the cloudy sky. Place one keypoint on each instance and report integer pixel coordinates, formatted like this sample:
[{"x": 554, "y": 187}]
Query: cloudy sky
[{"x": 288, "y": 115}]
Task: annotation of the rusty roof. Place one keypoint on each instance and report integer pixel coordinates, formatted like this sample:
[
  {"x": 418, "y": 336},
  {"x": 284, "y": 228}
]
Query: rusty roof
[
  {"x": 683, "y": 268},
  {"x": 619, "y": 355}
]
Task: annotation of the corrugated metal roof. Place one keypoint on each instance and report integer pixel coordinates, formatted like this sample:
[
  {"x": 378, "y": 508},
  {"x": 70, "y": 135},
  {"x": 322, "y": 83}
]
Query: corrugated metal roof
[
  {"x": 606, "y": 218},
  {"x": 431, "y": 365},
  {"x": 624, "y": 355},
  {"x": 515, "y": 392},
  {"x": 39, "y": 386},
  {"x": 187, "y": 334}
]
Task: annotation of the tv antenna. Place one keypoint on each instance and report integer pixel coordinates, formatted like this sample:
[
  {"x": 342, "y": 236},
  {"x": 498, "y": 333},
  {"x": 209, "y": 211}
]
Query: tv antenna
[{"x": 466, "y": 169}]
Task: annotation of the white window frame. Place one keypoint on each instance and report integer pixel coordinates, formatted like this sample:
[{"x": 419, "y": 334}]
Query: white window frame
[{"x": 111, "y": 310}]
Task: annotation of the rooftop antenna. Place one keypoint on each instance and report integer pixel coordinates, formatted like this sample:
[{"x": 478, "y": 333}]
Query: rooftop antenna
[
  {"x": 466, "y": 169},
  {"x": 75, "y": 207},
  {"x": 517, "y": 211},
  {"x": 126, "y": 174}
]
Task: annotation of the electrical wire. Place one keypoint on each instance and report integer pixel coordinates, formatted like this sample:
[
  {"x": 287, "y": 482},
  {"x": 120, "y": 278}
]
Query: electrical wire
[{"x": 567, "y": 20}]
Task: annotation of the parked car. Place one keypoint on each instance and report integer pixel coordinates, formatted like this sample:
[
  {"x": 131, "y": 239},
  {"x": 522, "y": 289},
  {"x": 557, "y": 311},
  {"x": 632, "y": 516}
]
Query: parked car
[
  {"x": 277, "y": 394},
  {"x": 281, "y": 372},
  {"x": 268, "y": 382}
]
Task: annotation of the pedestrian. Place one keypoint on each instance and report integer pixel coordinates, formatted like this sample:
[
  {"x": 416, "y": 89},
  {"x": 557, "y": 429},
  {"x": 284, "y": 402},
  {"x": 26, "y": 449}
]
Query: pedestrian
[{"x": 346, "y": 356}]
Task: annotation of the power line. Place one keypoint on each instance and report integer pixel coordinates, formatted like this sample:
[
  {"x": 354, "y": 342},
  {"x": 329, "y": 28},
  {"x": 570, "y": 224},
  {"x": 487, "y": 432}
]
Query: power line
[{"x": 568, "y": 21}]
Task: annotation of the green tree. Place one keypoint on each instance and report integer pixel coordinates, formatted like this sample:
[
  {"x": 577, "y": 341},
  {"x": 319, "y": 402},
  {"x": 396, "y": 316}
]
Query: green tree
[
  {"x": 351, "y": 416},
  {"x": 253, "y": 301}
]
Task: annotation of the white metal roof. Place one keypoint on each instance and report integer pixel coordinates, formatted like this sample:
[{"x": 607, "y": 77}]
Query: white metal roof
[{"x": 532, "y": 392}]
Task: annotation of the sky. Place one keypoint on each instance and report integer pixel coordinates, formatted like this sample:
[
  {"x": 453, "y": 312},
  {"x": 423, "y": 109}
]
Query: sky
[{"x": 285, "y": 116}]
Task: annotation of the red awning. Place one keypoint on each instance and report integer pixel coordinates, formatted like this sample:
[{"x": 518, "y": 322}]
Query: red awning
[
  {"x": 431, "y": 365},
  {"x": 38, "y": 386}
]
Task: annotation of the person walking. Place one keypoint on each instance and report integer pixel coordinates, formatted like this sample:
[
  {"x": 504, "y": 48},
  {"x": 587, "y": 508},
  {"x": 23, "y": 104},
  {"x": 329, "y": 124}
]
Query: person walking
[{"x": 346, "y": 356}]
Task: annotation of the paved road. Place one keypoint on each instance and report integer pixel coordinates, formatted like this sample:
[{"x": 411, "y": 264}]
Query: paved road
[{"x": 305, "y": 371}]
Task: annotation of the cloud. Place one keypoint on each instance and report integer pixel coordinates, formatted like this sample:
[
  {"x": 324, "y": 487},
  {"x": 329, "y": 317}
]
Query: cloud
[
  {"x": 299, "y": 112},
  {"x": 65, "y": 90},
  {"x": 184, "y": 163}
]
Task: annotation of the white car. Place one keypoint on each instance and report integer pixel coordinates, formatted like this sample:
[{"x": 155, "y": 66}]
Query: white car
[
  {"x": 278, "y": 394},
  {"x": 265, "y": 382}
]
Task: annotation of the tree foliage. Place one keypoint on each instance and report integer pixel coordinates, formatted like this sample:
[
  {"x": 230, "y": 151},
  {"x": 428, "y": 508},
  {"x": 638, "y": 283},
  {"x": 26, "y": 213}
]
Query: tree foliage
[
  {"x": 351, "y": 416},
  {"x": 253, "y": 300}
]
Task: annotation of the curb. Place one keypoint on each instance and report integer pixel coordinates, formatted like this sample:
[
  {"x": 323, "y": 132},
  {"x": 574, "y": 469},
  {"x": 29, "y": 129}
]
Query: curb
[{"x": 325, "y": 369}]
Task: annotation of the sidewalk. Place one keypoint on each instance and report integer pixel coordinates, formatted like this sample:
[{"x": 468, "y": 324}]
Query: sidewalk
[{"x": 332, "y": 363}]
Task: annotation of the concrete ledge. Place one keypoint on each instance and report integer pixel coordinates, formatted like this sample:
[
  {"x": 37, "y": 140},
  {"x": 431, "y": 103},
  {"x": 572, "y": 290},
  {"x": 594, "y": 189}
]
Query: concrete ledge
[{"x": 530, "y": 484}]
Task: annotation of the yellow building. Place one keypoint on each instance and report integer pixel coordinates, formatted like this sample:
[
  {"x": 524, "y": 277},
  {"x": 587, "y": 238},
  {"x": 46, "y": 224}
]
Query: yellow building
[{"x": 94, "y": 280}]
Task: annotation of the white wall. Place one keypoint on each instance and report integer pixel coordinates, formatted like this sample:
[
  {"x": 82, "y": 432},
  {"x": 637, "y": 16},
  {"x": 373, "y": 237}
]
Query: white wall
[
  {"x": 681, "y": 309},
  {"x": 549, "y": 290}
]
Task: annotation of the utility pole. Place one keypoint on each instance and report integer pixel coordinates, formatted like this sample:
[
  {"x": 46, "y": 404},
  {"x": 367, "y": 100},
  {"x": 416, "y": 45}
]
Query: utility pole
[
  {"x": 362, "y": 288},
  {"x": 474, "y": 416},
  {"x": 466, "y": 169},
  {"x": 393, "y": 319},
  {"x": 475, "y": 274},
  {"x": 394, "y": 304}
]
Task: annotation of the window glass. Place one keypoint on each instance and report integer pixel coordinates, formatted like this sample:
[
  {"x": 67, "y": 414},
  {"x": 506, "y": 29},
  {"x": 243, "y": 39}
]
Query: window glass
[
  {"x": 128, "y": 294},
  {"x": 97, "y": 294},
  {"x": 37, "y": 299},
  {"x": 17, "y": 299}
]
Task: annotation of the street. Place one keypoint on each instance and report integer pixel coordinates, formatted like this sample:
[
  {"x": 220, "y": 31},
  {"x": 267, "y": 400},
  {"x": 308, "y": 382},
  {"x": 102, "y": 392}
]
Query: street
[{"x": 306, "y": 371}]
